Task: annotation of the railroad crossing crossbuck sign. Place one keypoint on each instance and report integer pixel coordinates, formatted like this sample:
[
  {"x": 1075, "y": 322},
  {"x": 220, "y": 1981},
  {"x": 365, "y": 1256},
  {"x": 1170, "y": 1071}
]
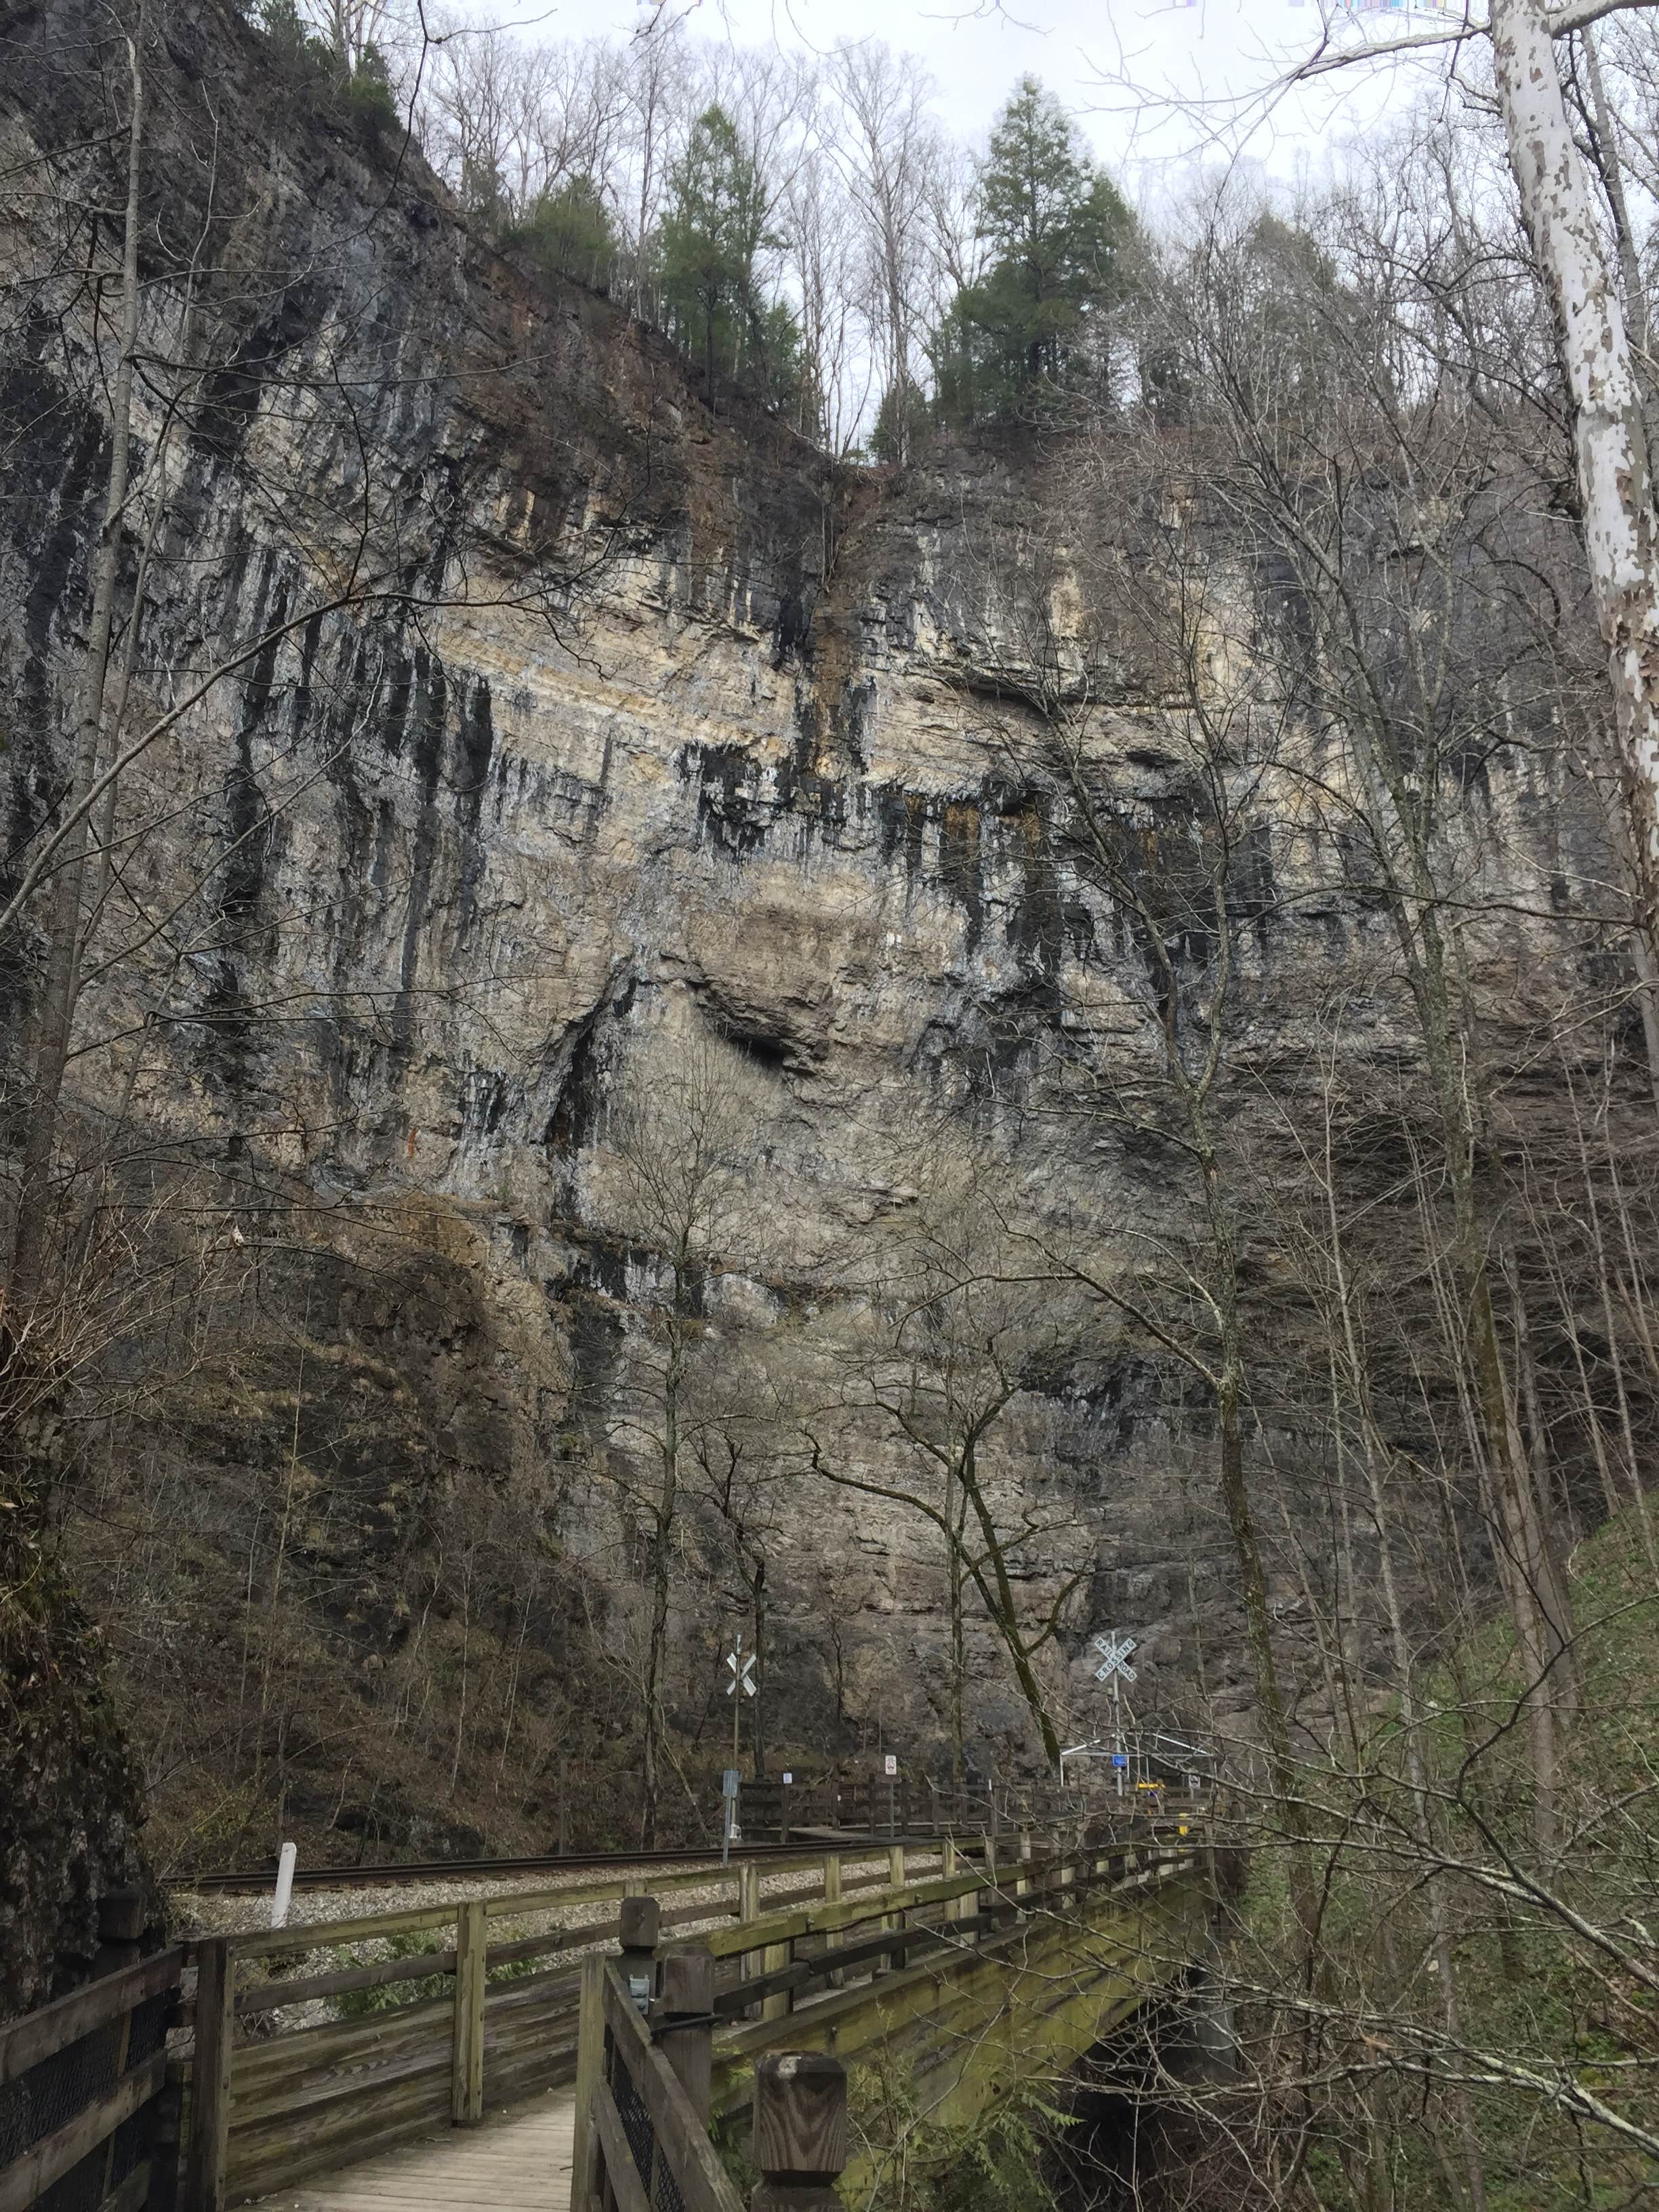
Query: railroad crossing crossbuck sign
[
  {"x": 1114, "y": 1651},
  {"x": 743, "y": 1676}
]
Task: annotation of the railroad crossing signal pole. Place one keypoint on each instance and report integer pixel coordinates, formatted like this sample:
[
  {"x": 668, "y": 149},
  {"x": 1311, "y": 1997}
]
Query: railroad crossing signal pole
[
  {"x": 742, "y": 1672},
  {"x": 1114, "y": 1668}
]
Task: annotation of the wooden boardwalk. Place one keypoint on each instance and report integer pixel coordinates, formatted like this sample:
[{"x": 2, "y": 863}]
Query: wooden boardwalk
[{"x": 517, "y": 2161}]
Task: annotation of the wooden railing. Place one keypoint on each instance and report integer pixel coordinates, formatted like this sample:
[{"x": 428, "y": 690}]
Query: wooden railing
[
  {"x": 668, "y": 2034},
  {"x": 268, "y": 2109},
  {"x": 643, "y": 2098},
  {"x": 84, "y": 2126},
  {"x": 769, "y": 1965},
  {"x": 861, "y": 1804},
  {"x": 274, "y": 2098}
]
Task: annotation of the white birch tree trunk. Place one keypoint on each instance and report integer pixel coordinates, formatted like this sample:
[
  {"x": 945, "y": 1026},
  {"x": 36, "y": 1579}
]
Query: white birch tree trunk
[{"x": 1610, "y": 434}]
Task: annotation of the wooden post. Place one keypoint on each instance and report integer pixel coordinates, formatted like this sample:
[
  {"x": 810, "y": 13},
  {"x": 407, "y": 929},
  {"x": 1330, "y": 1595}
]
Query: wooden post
[
  {"x": 590, "y": 2066},
  {"x": 894, "y": 1960},
  {"x": 748, "y": 1905},
  {"x": 781, "y": 2002},
  {"x": 166, "y": 2181},
  {"x": 639, "y": 1926},
  {"x": 684, "y": 2018},
  {"x": 466, "y": 2049},
  {"x": 949, "y": 1870},
  {"x": 209, "y": 2082},
  {"x": 834, "y": 1938},
  {"x": 800, "y": 2132},
  {"x": 120, "y": 1925}
]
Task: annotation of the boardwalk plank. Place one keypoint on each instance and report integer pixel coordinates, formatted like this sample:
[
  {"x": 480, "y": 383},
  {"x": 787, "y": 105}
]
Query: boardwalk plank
[{"x": 518, "y": 2163}]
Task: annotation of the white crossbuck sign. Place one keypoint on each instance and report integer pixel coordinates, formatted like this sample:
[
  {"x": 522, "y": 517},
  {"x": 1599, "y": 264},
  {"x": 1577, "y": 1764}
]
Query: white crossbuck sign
[
  {"x": 1114, "y": 1651},
  {"x": 742, "y": 1676}
]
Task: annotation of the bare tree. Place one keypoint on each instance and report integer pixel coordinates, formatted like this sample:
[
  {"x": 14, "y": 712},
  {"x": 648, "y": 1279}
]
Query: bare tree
[
  {"x": 951, "y": 1340},
  {"x": 890, "y": 158},
  {"x": 680, "y": 1148}
]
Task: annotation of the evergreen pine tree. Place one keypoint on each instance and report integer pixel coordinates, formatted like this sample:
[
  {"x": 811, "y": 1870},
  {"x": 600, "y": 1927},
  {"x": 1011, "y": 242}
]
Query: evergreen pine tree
[
  {"x": 711, "y": 240},
  {"x": 569, "y": 231},
  {"x": 1032, "y": 326}
]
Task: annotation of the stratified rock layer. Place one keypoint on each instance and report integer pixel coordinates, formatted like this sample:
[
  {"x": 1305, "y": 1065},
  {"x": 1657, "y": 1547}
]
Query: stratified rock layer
[{"x": 651, "y": 727}]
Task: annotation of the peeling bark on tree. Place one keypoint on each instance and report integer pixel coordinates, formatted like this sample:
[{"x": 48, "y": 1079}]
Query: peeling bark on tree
[{"x": 1610, "y": 434}]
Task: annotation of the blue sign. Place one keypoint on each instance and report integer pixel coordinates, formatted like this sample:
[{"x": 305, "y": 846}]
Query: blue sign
[{"x": 1120, "y": 1759}]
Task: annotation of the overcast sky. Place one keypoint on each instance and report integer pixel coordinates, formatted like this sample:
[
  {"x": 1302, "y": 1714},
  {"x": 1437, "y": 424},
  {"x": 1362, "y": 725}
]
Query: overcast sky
[{"x": 1216, "y": 54}]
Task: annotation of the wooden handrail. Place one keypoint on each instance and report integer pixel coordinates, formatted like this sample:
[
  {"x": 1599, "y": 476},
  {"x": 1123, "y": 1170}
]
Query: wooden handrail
[
  {"x": 682, "y": 2134},
  {"x": 412, "y": 1920},
  {"x": 323, "y": 1935},
  {"x": 909, "y": 1942},
  {"x": 420, "y": 1966},
  {"x": 642, "y": 2111},
  {"x": 25, "y": 2182},
  {"x": 125, "y": 2077},
  {"x": 777, "y": 1928},
  {"x": 24, "y": 2043}
]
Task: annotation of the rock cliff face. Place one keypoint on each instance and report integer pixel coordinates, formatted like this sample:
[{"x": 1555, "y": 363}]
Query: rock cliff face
[{"x": 592, "y": 722}]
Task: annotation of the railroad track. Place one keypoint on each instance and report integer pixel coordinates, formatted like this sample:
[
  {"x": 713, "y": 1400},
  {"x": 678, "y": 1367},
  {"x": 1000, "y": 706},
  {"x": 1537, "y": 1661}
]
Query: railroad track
[{"x": 254, "y": 1880}]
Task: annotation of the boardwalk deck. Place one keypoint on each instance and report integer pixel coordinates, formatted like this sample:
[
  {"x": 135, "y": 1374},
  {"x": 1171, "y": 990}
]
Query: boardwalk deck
[{"x": 516, "y": 2162}]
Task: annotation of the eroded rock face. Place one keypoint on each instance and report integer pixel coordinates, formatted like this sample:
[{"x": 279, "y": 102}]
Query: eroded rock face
[{"x": 650, "y": 727}]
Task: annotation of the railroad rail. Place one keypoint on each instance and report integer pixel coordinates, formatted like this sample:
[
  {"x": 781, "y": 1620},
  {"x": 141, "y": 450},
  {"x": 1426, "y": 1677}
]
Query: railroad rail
[
  {"x": 919, "y": 1834},
  {"x": 252, "y": 1881}
]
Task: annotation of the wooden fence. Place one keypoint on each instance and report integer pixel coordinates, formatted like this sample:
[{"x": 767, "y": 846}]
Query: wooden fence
[
  {"x": 85, "y": 2121},
  {"x": 642, "y": 2104},
  {"x": 973, "y": 1976},
  {"x": 265, "y": 2110},
  {"x": 1043, "y": 1957},
  {"x": 275, "y": 2096},
  {"x": 643, "y": 2096},
  {"x": 859, "y": 1804}
]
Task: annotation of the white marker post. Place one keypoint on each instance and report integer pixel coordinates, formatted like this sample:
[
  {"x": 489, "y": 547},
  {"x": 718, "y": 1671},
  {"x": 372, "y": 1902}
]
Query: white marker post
[{"x": 286, "y": 1862}]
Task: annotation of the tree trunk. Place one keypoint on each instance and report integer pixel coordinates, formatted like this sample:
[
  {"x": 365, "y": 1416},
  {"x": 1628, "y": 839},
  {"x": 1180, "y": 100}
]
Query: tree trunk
[
  {"x": 1000, "y": 1604},
  {"x": 757, "y": 1718},
  {"x": 1610, "y": 436},
  {"x": 651, "y": 1759},
  {"x": 958, "y": 1671}
]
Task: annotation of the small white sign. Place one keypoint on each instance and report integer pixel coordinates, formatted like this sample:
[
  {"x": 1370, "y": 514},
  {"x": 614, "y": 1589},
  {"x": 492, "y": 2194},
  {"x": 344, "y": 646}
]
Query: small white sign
[
  {"x": 890, "y": 1764},
  {"x": 788, "y": 1779}
]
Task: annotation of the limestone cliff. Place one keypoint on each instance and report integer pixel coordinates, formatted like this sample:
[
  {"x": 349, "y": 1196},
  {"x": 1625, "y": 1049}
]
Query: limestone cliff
[{"x": 597, "y": 713}]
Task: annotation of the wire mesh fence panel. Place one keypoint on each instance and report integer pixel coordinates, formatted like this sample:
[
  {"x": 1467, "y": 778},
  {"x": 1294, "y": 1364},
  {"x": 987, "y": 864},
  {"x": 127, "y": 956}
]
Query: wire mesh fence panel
[
  {"x": 42, "y": 2102},
  {"x": 656, "y": 2176}
]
